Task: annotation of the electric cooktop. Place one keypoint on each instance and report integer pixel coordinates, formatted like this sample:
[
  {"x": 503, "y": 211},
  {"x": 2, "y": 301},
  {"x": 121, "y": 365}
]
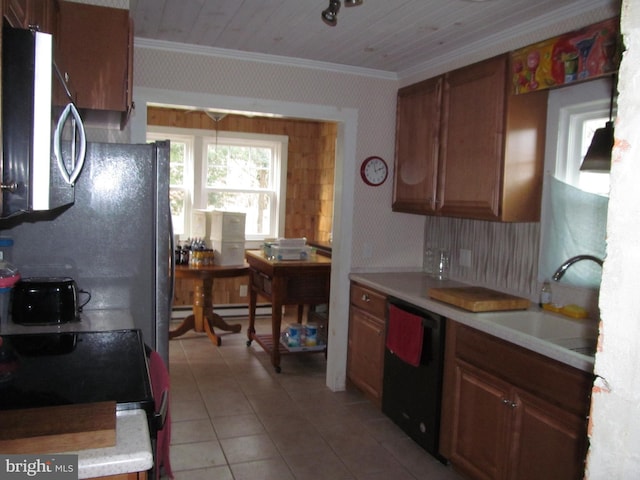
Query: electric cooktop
[{"x": 39, "y": 370}]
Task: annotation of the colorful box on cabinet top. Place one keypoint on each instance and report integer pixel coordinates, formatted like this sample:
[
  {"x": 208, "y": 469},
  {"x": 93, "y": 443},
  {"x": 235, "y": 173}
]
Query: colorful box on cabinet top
[{"x": 583, "y": 54}]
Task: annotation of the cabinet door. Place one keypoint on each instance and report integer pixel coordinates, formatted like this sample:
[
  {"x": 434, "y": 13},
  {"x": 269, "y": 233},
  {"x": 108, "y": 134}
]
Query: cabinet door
[
  {"x": 469, "y": 179},
  {"x": 15, "y": 12},
  {"x": 94, "y": 45},
  {"x": 365, "y": 357},
  {"x": 547, "y": 442},
  {"x": 42, "y": 14},
  {"x": 481, "y": 420},
  {"x": 417, "y": 143}
]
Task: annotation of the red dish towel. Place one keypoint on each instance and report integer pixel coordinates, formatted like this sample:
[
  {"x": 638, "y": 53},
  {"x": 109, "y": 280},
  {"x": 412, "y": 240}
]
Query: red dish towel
[
  {"x": 404, "y": 335},
  {"x": 160, "y": 384}
]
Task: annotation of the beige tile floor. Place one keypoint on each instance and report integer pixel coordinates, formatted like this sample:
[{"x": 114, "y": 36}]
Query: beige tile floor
[{"x": 235, "y": 418}]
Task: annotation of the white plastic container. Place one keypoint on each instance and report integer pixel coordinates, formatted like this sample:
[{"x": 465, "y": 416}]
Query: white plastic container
[
  {"x": 228, "y": 253},
  {"x": 292, "y": 242},
  {"x": 227, "y": 226},
  {"x": 279, "y": 252}
]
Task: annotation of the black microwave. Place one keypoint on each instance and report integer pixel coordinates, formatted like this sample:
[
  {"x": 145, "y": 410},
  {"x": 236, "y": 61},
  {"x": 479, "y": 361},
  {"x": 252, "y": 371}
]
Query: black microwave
[{"x": 43, "y": 146}]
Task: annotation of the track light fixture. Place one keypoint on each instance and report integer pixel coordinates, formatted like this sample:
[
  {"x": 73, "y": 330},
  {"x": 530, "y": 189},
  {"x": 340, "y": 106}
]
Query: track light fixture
[{"x": 330, "y": 14}]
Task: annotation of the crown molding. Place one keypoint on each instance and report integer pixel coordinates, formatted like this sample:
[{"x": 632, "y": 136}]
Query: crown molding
[{"x": 177, "y": 47}]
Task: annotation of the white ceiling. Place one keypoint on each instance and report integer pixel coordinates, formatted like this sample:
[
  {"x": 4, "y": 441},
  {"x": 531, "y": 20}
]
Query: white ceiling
[{"x": 394, "y": 36}]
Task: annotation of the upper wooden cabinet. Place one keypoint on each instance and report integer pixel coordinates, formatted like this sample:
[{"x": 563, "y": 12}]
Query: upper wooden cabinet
[
  {"x": 95, "y": 45},
  {"x": 467, "y": 147},
  {"x": 40, "y": 14},
  {"x": 417, "y": 144}
]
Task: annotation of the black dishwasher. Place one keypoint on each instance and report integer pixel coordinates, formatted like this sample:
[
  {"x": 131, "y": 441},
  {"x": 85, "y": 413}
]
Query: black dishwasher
[{"x": 411, "y": 394}]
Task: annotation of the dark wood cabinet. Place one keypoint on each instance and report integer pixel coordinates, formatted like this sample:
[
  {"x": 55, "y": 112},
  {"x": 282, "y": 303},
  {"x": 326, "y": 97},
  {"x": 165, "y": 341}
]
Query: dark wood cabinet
[
  {"x": 38, "y": 14},
  {"x": 467, "y": 147},
  {"x": 365, "y": 356},
  {"x": 417, "y": 144},
  {"x": 509, "y": 413},
  {"x": 15, "y": 12},
  {"x": 95, "y": 45},
  {"x": 93, "y": 49}
]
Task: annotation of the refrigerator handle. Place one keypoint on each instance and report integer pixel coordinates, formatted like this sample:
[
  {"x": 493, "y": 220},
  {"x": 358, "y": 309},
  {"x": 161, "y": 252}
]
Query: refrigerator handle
[{"x": 172, "y": 264}]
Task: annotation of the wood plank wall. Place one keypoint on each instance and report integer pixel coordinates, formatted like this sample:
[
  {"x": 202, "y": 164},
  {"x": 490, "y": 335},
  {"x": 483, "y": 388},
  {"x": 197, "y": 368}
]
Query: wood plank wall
[{"x": 310, "y": 179}]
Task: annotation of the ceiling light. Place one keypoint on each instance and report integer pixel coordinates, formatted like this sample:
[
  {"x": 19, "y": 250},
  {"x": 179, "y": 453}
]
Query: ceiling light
[
  {"x": 330, "y": 15},
  {"x": 353, "y": 3},
  {"x": 598, "y": 157}
]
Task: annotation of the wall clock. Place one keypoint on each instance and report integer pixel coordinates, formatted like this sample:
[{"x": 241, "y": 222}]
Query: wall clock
[{"x": 374, "y": 171}]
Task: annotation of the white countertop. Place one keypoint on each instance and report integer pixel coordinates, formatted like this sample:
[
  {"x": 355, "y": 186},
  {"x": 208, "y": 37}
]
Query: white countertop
[
  {"x": 546, "y": 333},
  {"x": 132, "y": 452}
]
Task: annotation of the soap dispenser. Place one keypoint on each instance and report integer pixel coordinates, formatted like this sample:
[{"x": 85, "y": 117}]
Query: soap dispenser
[{"x": 545, "y": 293}]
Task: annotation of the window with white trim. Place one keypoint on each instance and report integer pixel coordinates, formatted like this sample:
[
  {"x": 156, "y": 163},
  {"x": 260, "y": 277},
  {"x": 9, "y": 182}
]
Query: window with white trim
[
  {"x": 230, "y": 171},
  {"x": 575, "y": 203},
  {"x": 580, "y": 122}
]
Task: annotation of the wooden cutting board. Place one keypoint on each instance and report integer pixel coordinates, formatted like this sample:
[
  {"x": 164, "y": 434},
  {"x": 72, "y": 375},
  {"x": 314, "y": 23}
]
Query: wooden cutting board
[
  {"x": 479, "y": 299},
  {"x": 61, "y": 428}
]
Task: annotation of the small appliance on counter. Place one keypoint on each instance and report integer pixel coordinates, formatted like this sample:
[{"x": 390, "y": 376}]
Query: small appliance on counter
[
  {"x": 45, "y": 301},
  {"x": 115, "y": 241}
]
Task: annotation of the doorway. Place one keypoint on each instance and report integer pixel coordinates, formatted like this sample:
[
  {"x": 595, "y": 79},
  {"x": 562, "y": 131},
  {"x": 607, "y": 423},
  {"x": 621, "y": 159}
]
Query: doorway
[{"x": 344, "y": 180}]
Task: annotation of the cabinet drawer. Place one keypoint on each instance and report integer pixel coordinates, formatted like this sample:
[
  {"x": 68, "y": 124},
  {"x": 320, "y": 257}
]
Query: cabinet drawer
[{"x": 369, "y": 300}]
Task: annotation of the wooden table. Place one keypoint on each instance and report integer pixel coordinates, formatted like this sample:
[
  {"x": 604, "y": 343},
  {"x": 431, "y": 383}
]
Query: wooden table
[
  {"x": 288, "y": 282},
  {"x": 203, "y": 319}
]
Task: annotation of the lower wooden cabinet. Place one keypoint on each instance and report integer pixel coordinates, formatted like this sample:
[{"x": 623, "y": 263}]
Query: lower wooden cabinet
[
  {"x": 365, "y": 357},
  {"x": 509, "y": 413}
]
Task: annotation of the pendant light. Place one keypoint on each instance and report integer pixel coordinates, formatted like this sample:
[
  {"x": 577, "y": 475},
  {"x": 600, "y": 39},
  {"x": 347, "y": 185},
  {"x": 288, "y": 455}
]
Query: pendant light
[
  {"x": 598, "y": 157},
  {"x": 216, "y": 117}
]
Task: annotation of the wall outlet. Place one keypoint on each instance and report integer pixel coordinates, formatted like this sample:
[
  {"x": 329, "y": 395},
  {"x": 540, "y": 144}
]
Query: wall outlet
[
  {"x": 244, "y": 290},
  {"x": 465, "y": 257},
  {"x": 367, "y": 250}
]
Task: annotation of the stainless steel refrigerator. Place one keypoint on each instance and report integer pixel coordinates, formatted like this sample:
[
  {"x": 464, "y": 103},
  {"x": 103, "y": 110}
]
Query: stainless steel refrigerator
[{"x": 115, "y": 240}]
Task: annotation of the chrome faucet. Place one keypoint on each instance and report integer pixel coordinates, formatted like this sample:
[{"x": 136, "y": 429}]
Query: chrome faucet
[{"x": 563, "y": 268}]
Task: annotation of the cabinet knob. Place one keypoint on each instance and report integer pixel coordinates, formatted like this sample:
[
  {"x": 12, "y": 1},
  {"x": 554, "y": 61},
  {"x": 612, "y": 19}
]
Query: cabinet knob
[
  {"x": 365, "y": 298},
  {"x": 9, "y": 187}
]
